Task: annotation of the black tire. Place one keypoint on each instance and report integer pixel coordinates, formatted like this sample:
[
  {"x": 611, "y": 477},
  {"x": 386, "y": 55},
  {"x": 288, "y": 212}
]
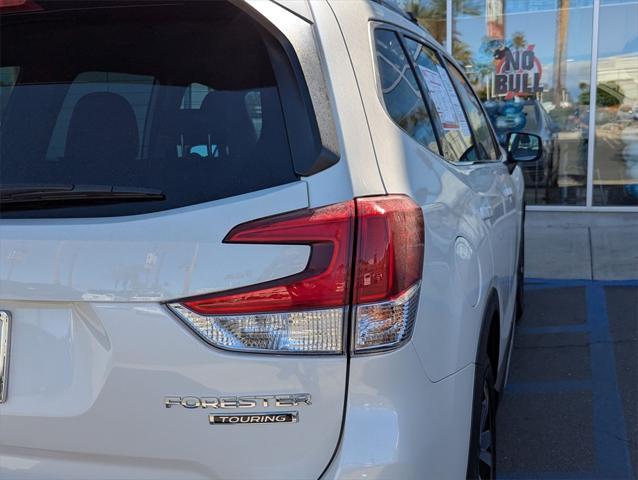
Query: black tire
[
  {"x": 520, "y": 273},
  {"x": 482, "y": 452}
]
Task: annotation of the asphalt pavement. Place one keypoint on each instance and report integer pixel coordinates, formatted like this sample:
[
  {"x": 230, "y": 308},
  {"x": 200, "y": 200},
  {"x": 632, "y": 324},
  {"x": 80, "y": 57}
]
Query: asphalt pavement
[{"x": 570, "y": 409}]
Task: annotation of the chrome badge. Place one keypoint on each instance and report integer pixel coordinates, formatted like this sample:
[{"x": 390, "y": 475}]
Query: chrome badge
[
  {"x": 243, "y": 418},
  {"x": 232, "y": 402},
  {"x": 226, "y": 403},
  {"x": 5, "y": 331}
]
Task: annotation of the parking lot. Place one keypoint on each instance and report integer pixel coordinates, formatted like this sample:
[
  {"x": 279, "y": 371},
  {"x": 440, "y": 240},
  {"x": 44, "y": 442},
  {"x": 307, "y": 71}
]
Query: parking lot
[{"x": 571, "y": 406}]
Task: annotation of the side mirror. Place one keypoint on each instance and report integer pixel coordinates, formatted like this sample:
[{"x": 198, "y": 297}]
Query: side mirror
[{"x": 522, "y": 147}]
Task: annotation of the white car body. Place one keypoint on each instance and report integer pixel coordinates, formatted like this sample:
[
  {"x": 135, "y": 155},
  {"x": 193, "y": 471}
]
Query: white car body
[{"x": 94, "y": 350}]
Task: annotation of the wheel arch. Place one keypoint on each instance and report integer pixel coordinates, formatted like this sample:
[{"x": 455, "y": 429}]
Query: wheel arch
[{"x": 490, "y": 336}]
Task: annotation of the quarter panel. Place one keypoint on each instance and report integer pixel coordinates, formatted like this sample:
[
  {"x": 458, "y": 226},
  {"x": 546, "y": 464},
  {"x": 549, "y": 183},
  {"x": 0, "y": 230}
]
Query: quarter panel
[{"x": 400, "y": 425}]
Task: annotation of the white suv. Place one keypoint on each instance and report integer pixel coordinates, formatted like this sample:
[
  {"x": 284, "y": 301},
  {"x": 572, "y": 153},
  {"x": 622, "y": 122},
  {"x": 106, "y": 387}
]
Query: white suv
[{"x": 248, "y": 240}]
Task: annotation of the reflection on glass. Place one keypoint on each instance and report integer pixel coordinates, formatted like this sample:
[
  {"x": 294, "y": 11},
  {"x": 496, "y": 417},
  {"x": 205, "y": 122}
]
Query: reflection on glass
[
  {"x": 523, "y": 147},
  {"x": 401, "y": 93},
  {"x": 456, "y": 141},
  {"x": 8, "y": 77},
  {"x": 429, "y": 13},
  {"x": 530, "y": 61},
  {"x": 616, "y": 148}
]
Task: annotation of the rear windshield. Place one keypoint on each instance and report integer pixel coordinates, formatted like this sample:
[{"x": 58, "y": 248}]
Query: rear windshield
[{"x": 178, "y": 99}]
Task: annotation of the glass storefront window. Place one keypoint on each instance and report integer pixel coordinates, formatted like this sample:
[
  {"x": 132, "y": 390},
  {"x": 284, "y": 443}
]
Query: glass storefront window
[
  {"x": 431, "y": 14},
  {"x": 530, "y": 62},
  {"x": 615, "y": 175}
]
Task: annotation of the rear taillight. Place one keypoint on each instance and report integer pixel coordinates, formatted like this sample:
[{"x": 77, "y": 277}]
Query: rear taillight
[
  {"x": 19, "y": 6},
  {"x": 388, "y": 266},
  {"x": 307, "y": 312}
]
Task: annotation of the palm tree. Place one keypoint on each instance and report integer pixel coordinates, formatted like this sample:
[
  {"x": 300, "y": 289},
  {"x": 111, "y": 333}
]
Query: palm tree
[
  {"x": 519, "y": 41},
  {"x": 431, "y": 14},
  {"x": 560, "y": 50}
]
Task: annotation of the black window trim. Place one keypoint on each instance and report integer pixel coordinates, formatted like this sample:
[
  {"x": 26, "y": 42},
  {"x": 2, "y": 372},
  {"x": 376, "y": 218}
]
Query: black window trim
[
  {"x": 374, "y": 26},
  {"x": 426, "y": 98}
]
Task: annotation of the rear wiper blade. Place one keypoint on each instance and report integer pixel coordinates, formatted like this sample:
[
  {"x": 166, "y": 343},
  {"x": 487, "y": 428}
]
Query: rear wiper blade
[{"x": 26, "y": 194}]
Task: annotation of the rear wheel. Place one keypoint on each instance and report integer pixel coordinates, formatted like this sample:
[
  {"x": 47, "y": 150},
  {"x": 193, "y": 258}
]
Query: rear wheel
[
  {"x": 482, "y": 452},
  {"x": 482, "y": 464}
]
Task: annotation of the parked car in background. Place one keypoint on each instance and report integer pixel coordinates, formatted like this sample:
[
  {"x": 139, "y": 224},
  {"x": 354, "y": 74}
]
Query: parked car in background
[
  {"x": 529, "y": 116},
  {"x": 249, "y": 240}
]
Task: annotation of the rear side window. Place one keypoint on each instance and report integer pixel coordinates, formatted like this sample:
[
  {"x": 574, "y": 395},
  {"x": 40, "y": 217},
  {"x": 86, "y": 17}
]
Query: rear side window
[
  {"x": 456, "y": 138},
  {"x": 478, "y": 120},
  {"x": 184, "y": 100},
  {"x": 400, "y": 90}
]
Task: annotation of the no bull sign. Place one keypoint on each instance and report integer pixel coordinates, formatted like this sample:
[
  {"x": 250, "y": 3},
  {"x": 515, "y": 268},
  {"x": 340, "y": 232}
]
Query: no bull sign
[{"x": 518, "y": 72}]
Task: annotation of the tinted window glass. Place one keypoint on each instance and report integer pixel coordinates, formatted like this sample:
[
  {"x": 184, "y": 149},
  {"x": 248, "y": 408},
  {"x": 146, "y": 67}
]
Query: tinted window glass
[
  {"x": 194, "y": 111},
  {"x": 253, "y": 105},
  {"x": 136, "y": 89},
  {"x": 401, "y": 92},
  {"x": 8, "y": 78},
  {"x": 194, "y": 96},
  {"x": 531, "y": 118},
  {"x": 478, "y": 121},
  {"x": 456, "y": 136}
]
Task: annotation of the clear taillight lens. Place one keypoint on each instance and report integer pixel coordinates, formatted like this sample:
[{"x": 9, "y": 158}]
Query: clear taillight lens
[
  {"x": 308, "y": 331},
  {"x": 307, "y": 312},
  {"x": 385, "y": 325}
]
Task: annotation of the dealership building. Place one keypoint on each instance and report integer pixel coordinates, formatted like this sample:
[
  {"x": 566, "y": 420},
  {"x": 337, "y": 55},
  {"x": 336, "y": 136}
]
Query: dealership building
[{"x": 566, "y": 70}]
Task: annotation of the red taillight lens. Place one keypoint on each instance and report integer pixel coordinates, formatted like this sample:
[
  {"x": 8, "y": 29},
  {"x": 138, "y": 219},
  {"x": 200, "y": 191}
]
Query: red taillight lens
[
  {"x": 306, "y": 312},
  {"x": 19, "y": 6},
  {"x": 323, "y": 284},
  {"x": 390, "y": 247}
]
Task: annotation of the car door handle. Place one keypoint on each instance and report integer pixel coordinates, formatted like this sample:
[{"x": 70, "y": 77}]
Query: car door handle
[{"x": 486, "y": 212}]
